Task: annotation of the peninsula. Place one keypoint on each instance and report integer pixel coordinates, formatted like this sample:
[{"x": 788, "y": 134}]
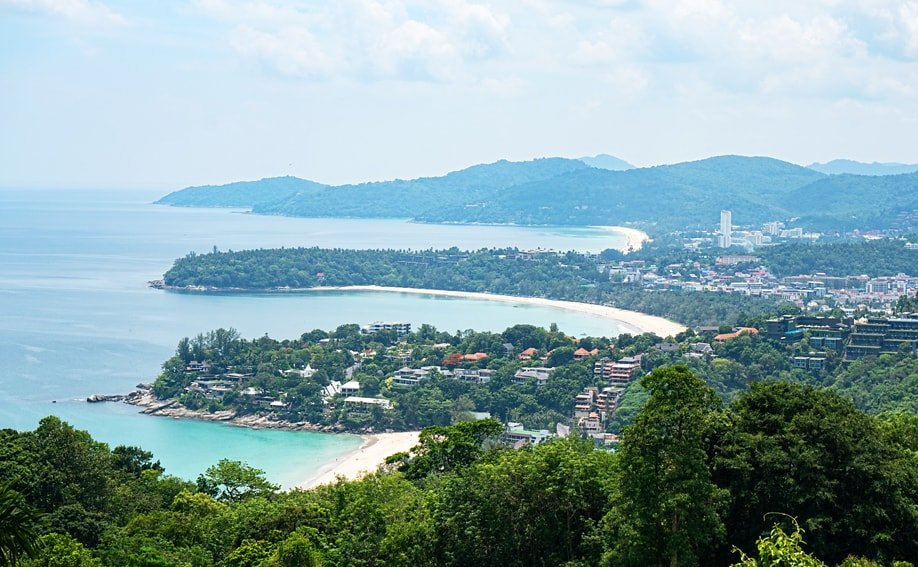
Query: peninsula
[{"x": 564, "y": 279}]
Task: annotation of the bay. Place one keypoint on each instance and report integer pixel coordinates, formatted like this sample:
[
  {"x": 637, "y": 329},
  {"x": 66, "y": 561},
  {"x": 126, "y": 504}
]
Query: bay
[{"x": 77, "y": 318}]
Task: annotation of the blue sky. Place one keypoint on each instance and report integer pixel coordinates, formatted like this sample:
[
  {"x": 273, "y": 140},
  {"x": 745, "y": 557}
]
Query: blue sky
[{"x": 102, "y": 93}]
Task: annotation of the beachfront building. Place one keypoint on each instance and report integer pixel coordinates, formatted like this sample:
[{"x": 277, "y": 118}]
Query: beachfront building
[
  {"x": 358, "y": 404},
  {"x": 401, "y": 328}
]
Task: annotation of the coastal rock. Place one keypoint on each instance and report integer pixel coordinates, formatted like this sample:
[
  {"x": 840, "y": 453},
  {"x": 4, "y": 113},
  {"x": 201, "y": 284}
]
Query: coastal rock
[{"x": 96, "y": 398}]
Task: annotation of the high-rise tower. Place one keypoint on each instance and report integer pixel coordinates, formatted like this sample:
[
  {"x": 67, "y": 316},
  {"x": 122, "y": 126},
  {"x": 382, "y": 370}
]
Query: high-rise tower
[{"x": 726, "y": 229}]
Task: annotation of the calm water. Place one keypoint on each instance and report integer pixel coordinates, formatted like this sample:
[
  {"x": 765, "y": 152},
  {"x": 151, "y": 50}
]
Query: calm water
[{"x": 77, "y": 318}]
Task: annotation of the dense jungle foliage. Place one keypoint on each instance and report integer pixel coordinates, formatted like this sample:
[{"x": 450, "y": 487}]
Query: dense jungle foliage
[{"x": 693, "y": 482}]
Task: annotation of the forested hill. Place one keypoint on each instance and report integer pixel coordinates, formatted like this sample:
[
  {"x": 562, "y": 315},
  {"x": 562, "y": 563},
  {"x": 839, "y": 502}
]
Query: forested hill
[
  {"x": 570, "y": 276},
  {"x": 398, "y": 198},
  {"x": 558, "y": 191},
  {"x": 242, "y": 194}
]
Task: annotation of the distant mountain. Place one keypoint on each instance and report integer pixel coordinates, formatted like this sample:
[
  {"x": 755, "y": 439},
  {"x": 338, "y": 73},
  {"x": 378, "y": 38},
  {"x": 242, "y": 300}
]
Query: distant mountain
[
  {"x": 605, "y": 161},
  {"x": 417, "y": 197},
  {"x": 671, "y": 196},
  {"x": 242, "y": 193},
  {"x": 558, "y": 191},
  {"x": 840, "y": 166}
]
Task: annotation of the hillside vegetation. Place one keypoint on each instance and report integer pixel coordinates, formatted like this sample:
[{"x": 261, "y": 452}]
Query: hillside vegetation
[
  {"x": 691, "y": 483},
  {"x": 558, "y": 191}
]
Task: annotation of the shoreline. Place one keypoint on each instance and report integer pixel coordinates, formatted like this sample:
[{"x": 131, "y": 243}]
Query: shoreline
[
  {"x": 372, "y": 453},
  {"x": 635, "y": 320},
  {"x": 173, "y": 408},
  {"x": 635, "y": 238}
]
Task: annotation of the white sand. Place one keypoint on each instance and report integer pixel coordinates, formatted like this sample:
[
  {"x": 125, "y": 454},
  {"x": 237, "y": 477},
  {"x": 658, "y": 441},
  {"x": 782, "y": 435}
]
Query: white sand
[
  {"x": 635, "y": 238},
  {"x": 635, "y": 321},
  {"x": 366, "y": 459}
]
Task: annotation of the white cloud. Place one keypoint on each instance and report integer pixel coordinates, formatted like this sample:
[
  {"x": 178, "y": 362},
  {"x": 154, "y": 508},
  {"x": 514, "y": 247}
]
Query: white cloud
[
  {"x": 294, "y": 51},
  {"x": 90, "y": 12},
  {"x": 908, "y": 15},
  {"x": 367, "y": 39}
]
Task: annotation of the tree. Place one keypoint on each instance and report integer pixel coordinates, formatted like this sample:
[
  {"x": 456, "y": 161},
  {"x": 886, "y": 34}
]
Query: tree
[
  {"x": 251, "y": 553},
  {"x": 232, "y": 481},
  {"x": 533, "y": 507},
  {"x": 17, "y": 527},
  {"x": 810, "y": 453},
  {"x": 560, "y": 356},
  {"x": 444, "y": 448},
  {"x": 133, "y": 460},
  {"x": 666, "y": 511},
  {"x": 61, "y": 550},
  {"x": 296, "y": 551},
  {"x": 74, "y": 469},
  {"x": 780, "y": 549}
]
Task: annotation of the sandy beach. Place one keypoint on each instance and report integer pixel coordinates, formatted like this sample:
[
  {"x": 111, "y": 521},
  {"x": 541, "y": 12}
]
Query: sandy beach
[
  {"x": 370, "y": 455},
  {"x": 634, "y": 321},
  {"x": 635, "y": 238}
]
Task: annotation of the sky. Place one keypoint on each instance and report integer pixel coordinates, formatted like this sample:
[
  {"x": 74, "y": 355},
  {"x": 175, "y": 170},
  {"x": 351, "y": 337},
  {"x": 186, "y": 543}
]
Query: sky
[{"x": 166, "y": 94}]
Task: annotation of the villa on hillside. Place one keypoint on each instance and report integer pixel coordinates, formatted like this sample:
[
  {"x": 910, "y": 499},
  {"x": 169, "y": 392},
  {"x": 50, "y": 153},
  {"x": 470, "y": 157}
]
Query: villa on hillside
[{"x": 538, "y": 373}]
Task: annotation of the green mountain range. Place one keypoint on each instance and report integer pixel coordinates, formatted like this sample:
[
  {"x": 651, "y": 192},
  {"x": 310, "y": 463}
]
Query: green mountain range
[
  {"x": 559, "y": 191},
  {"x": 840, "y": 166}
]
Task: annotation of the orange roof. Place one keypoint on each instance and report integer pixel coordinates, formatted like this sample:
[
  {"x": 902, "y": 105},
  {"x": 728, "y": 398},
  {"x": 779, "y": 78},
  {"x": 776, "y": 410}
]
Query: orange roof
[
  {"x": 581, "y": 352},
  {"x": 476, "y": 356},
  {"x": 742, "y": 330},
  {"x": 452, "y": 359},
  {"x": 529, "y": 351}
]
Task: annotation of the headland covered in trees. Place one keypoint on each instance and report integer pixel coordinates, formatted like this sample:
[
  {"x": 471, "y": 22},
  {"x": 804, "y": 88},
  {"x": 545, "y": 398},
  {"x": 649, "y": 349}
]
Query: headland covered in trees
[
  {"x": 569, "y": 277},
  {"x": 559, "y": 191}
]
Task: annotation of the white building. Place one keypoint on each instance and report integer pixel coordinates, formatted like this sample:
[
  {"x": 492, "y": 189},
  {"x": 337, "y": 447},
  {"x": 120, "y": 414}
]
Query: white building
[
  {"x": 538, "y": 373},
  {"x": 726, "y": 229},
  {"x": 397, "y": 326}
]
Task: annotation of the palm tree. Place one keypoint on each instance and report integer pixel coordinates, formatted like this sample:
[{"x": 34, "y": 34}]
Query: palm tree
[{"x": 18, "y": 537}]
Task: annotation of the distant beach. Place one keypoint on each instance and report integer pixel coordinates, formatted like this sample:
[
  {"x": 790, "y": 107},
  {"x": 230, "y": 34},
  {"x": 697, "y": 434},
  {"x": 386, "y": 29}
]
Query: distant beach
[
  {"x": 635, "y": 238},
  {"x": 638, "y": 322},
  {"x": 374, "y": 451}
]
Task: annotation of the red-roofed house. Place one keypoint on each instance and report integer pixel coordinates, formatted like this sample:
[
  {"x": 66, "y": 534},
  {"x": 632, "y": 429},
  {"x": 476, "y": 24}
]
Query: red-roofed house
[
  {"x": 582, "y": 353},
  {"x": 528, "y": 354}
]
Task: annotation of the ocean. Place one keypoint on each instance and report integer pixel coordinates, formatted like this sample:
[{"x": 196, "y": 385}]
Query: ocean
[{"x": 77, "y": 317}]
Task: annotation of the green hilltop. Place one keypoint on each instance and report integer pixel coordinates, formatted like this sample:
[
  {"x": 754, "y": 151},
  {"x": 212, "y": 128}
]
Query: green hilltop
[{"x": 559, "y": 191}]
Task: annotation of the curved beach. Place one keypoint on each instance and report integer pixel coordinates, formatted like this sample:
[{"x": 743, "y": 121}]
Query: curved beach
[
  {"x": 635, "y": 321},
  {"x": 367, "y": 458}
]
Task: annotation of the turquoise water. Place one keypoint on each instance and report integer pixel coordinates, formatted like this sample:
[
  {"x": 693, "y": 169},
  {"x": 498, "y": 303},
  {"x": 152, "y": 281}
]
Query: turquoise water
[{"x": 77, "y": 318}]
